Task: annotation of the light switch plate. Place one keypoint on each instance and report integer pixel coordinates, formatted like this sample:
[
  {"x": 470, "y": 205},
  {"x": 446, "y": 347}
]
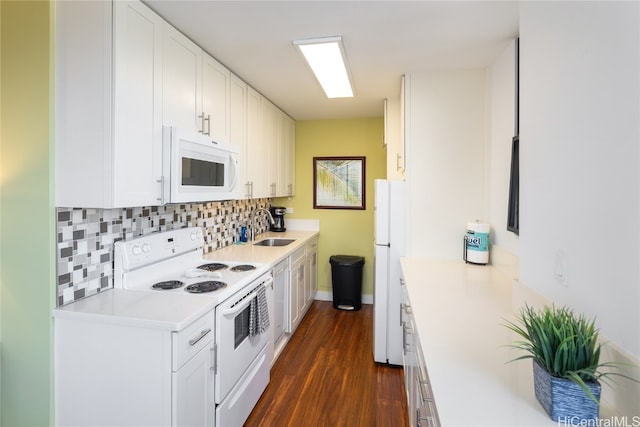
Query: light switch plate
[{"x": 560, "y": 267}]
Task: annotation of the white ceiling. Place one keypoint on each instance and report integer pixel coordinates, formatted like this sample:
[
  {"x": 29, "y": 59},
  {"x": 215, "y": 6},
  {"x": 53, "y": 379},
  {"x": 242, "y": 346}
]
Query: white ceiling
[{"x": 382, "y": 40}]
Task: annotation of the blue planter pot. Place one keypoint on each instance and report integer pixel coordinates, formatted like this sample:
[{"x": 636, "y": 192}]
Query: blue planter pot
[{"x": 563, "y": 399}]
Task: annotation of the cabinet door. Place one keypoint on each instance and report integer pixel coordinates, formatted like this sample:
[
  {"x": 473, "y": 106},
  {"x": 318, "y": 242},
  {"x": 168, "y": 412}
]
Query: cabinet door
[
  {"x": 280, "y": 282},
  {"x": 281, "y": 161},
  {"x": 137, "y": 146},
  {"x": 312, "y": 272},
  {"x": 216, "y": 86},
  {"x": 238, "y": 127},
  {"x": 181, "y": 76},
  {"x": 296, "y": 295},
  {"x": 291, "y": 157},
  {"x": 269, "y": 130},
  {"x": 257, "y": 160},
  {"x": 302, "y": 291},
  {"x": 193, "y": 401}
]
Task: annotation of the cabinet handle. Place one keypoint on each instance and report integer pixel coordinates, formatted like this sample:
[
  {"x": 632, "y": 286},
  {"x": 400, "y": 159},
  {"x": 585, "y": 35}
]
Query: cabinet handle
[
  {"x": 208, "y": 120},
  {"x": 195, "y": 340},
  {"x": 420, "y": 418},
  {"x": 161, "y": 198},
  {"x": 201, "y": 117},
  {"x": 423, "y": 388},
  {"x": 215, "y": 358}
]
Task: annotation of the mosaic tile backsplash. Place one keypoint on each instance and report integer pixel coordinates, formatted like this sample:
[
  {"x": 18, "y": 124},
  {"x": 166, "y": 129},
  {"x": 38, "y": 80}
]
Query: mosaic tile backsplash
[{"x": 85, "y": 237}]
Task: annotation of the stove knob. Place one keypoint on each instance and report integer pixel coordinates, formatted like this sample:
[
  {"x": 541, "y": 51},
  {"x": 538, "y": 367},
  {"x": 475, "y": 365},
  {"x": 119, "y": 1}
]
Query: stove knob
[
  {"x": 137, "y": 250},
  {"x": 195, "y": 235},
  {"x": 146, "y": 248}
]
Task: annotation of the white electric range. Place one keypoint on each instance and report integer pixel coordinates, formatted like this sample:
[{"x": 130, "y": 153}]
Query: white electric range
[{"x": 172, "y": 263}]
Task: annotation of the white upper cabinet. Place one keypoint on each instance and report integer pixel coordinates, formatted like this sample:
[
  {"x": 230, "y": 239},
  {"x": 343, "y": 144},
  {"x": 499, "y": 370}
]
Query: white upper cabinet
[
  {"x": 122, "y": 73},
  {"x": 394, "y": 135},
  {"x": 196, "y": 88},
  {"x": 290, "y": 144},
  {"x": 181, "y": 77},
  {"x": 258, "y": 183},
  {"x": 284, "y": 164},
  {"x": 216, "y": 86},
  {"x": 108, "y": 104},
  {"x": 269, "y": 131},
  {"x": 238, "y": 127}
]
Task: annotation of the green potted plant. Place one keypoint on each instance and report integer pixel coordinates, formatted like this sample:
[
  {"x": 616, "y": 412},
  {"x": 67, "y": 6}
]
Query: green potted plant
[{"x": 566, "y": 361}]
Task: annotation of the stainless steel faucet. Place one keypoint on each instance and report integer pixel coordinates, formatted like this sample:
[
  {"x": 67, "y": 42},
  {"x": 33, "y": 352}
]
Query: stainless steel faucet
[{"x": 253, "y": 219}]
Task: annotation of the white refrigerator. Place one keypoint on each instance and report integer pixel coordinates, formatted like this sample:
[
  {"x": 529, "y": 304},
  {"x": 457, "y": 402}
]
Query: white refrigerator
[{"x": 389, "y": 242}]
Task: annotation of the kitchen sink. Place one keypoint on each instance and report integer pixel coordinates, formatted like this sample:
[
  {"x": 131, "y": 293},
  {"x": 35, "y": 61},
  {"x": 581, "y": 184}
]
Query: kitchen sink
[{"x": 274, "y": 242}]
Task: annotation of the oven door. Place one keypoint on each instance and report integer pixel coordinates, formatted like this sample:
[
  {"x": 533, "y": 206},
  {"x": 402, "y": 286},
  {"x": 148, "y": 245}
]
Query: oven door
[
  {"x": 236, "y": 348},
  {"x": 199, "y": 169}
]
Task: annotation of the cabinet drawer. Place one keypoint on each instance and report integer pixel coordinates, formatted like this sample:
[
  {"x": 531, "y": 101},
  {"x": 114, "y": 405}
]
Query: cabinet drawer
[
  {"x": 188, "y": 342},
  {"x": 312, "y": 246},
  {"x": 295, "y": 257}
]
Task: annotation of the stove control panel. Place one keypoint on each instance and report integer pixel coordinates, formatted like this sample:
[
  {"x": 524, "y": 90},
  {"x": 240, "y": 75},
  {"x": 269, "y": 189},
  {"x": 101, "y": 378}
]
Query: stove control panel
[{"x": 145, "y": 250}]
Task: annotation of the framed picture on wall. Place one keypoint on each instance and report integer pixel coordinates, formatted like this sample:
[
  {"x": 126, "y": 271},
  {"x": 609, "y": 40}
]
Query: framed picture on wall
[{"x": 339, "y": 182}]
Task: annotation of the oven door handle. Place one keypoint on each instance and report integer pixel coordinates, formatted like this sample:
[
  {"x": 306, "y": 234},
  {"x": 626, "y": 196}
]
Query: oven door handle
[{"x": 246, "y": 300}]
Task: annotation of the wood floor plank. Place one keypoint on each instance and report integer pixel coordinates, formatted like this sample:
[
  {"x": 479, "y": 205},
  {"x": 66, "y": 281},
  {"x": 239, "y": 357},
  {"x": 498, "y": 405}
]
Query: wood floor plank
[{"x": 326, "y": 376}]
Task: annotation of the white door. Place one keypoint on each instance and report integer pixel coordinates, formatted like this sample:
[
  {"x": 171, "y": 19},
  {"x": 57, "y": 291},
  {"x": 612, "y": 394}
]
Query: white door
[
  {"x": 193, "y": 391},
  {"x": 138, "y": 102},
  {"x": 216, "y": 85},
  {"x": 380, "y": 302},
  {"x": 181, "y": 76}
]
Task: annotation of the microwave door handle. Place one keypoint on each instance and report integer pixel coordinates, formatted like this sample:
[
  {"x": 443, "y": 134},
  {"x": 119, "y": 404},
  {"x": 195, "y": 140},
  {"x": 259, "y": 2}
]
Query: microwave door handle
[{"x": 234, "y": 180}]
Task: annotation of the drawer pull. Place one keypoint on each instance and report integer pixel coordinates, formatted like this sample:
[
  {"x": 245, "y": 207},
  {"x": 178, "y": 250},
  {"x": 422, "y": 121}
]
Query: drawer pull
[
  {"x": 195, "y": 340},
  {"x": 424, "y": 389}
]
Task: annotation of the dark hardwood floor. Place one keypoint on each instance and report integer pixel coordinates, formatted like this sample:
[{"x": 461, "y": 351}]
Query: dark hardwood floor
[{"x": 326, "y": 376}]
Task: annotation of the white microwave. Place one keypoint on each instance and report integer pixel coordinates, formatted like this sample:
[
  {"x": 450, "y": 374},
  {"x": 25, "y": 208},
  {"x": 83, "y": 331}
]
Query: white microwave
[{"x": 196, "y": 168}]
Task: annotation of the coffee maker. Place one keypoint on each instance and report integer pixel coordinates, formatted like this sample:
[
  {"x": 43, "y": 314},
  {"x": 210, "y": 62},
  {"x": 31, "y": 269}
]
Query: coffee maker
[{"x": 278, "y": 218}]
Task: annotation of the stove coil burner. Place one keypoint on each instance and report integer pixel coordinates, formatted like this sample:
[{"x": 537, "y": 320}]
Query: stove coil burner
[
  {"x": 243, "y": 267},
  {"x": 168, "y": 285},
  {"x": 214, "y": 266},
  {"x": 203, "y": 287}
]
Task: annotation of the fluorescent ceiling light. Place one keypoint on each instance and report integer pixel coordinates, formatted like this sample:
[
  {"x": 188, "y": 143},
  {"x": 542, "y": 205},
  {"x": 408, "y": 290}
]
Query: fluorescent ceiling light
[{"x": 326, "y": 58}]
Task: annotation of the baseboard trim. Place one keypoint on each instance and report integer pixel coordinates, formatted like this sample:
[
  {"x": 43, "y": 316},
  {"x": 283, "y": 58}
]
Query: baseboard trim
[{"x": 328, "y": 296}]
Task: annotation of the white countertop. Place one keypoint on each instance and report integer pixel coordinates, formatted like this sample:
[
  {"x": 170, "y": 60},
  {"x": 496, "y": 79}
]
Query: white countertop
[
  {"x": 174, "y": 312},
  {"x": 248, "y": 252},
  {"x": 459, "y": 311},
  {"x": 138, "y": 308}
]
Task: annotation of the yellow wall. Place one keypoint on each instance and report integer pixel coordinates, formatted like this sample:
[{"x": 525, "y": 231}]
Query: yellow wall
[
  {"x": 342, "y": 232},
  {"x": 27, "y": 228}
]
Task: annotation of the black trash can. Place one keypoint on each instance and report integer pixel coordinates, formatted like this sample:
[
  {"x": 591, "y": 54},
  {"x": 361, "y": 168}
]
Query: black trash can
[{"x": 346, "y": 280}]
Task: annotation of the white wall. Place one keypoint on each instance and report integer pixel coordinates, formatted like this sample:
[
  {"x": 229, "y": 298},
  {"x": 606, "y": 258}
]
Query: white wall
[
  {"x": 445, "y": 134},
  {"x": 580, "y": 159},
  {"x": 500, "y": 131}
]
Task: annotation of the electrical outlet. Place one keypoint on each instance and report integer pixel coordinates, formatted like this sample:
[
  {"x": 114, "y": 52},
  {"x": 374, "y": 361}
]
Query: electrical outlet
[
  {"x": 560, "y": 267},
  {"x": 289, "y": 210}
]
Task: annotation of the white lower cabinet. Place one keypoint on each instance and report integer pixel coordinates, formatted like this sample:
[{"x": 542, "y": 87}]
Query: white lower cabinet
[
  {"x": 119, "y": 374},
  {"x": 422, "y": 407},
  {"x": 280, "y": 285},
  {"x": 193, "y": 392},
  {"x": 311, "y": 280},
  {"x": 303, "y": 283},
  {"x": 296, "y": 289}
]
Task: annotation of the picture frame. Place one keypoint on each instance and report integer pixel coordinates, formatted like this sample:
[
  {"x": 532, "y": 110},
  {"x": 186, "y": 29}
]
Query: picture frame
[{"x": 339, "y": 182}]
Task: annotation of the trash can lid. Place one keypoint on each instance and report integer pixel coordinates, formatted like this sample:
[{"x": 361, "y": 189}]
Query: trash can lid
[{"x": 346, "y": 260}]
